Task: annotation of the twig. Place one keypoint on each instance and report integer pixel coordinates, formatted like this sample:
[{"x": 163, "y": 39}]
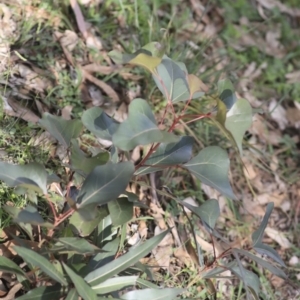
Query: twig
[{"x": 11, "y": 294}]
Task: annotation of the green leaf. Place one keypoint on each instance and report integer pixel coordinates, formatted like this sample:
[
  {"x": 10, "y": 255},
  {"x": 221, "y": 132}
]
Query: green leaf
[
  {"x": 88, "y": 213},
  {"x": 238, "y": 120},
  {"x": 78, "y": 245},
  {"x": 63, "y": 130},
  {"x": 269, "y": 251},
  {"x": 32, "y": 175},
  {"x": 211, "y": 166},
  {"x": 83, "y": 289},
  {"x": 146, "y": 284},
  {"x": 195, "y": 86},
  {"x": 258, "y": 234},
  {"x": 72, "y": 295},
  {"x": 249, "y": 279},
  {"x": 114, "y": 284},
  {"x": 82, "y": 163},
  {"x": 263, "y": 263},
  {"x": 171, "y": 79},
  {"x": 125, "y": 58},
  {"x": 208, "y": 212},
  {"x": 149, "y": 56},
  {"x": 154, "y": 49},
  {"x": 43, "y": 293},
  {"x": 222, "y": 111},
  {"x": 32, "y": 257},
  {"x": 103, "y": 258},
  {"x": 27, "y": 215},
  {"x": 99, "y": 123},
  {"x": 83, "y": 227},
  {"x": 140, "y": 128},
  {"x": 121, "y": 211},
  {"x": 105, "y": 183},
  {"x": 104, "y": 231},
  {"x": 146, "y": 61},
  {"x": 153, "y": 294},
  {"x": 166, "y": 155},
  {"x": 226, "y": 92},
  {"x": 120, "y": 264},
  {"x": 7, "y": 265}
]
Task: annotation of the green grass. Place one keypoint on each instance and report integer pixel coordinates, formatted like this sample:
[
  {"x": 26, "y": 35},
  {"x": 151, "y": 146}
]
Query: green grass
[{"x": 141, "y": 26}]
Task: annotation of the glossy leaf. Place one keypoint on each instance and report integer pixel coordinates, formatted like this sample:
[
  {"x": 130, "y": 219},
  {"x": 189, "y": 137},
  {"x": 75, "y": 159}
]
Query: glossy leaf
[
  {"x": 84, "y": 227},
  {"x": 140, "y": 128},
  {"x": 208, "y": 212},
  {"x": 78, "y": 245},
  {"x": 238, "y": 120},
  {"x": 43, "y": 293},
  {"x": 269, "y": 251},
  {"x": 226, "y": 92},
  {"x": 171, "y": 79},
  {"x": 72, "y": 295},
  {"x": 249, "y": 279},
  {"x": 153, "y": 294},
  {"x": 105, "y": 183},
  {"x": 146, "y": 284},
  {"x": 114, "y": 284},
  {"x": 121, "y": 211},
  {"x": 33, "y": 258},
  {"x": 81, "y": 162},
  {"x": 32, "y": 176},
  {"x": 104, "y": 231},
  {"x": 8, "y": 266},
  {"x": 28, "y": 215},
  {"x": 62, "y": 130},
  {"x": 171, "y": 154},
  {"x": 258, "y": 234},
  {"x": 99, "y": 123},
  {"x": 273, "y": 269},
  {"x": 211, "y": 166},
  {"x": 88, "y": 213},
  {"x": 120, "y": 264},
  {"x": 83, "y": 289},
  {"x": 110, "y": 249}
]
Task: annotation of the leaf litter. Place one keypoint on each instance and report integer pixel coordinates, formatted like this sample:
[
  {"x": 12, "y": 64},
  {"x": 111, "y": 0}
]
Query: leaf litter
[{"x": 263, "y": 169}]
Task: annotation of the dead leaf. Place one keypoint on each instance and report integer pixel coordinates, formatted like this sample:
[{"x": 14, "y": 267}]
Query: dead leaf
[
  {"x": 3, "y": 289},
  {"x": 158, "y": 214},
  {"x": 66, "y": 112},
  {"x": 163, "y": 251},
  {"x": 183, "y": 257},
  {"x": 191, "y": 201},
  {"x": 96, "y": 68},
  {"x": 293, "y": 77},
  {"x": 293, "y": 116},
  {"x": 17, "y": 110},
  {"x": 79, "y": 17},
  {"x": 102, "y": 85},
  {"x": 278, "y": 237},
  {"x": 31, "y": 79},
  {"x": 143, "y": 229},
  {"x": 278, "y": 114},
  {"x": 271, "y": 4},
  {"x": 68, "y": 39},
  {"x": 260, "y": 129}
]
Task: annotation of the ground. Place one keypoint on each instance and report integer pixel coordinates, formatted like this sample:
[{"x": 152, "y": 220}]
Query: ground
[{"x": 53, "y": 59}]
